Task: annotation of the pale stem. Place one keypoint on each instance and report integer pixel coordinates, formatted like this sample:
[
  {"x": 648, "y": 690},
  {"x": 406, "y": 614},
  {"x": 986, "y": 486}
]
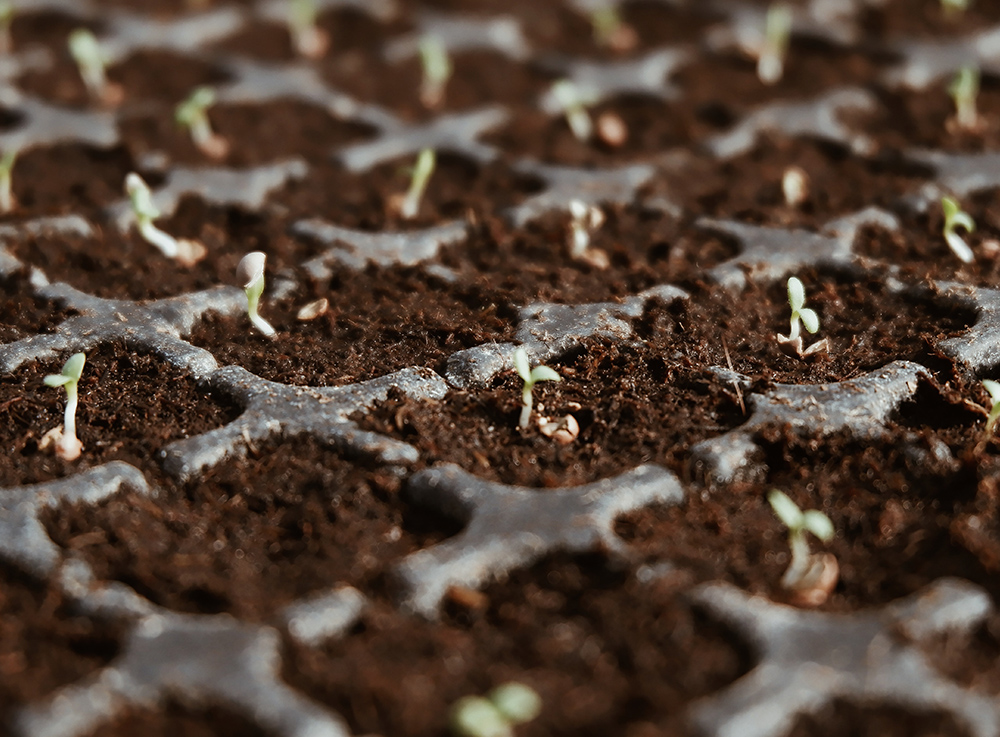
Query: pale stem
[
  {"x": 253, "y": 301},
  {"x": 69, "y": 418},
  {"x": 799, "y": 564},
  {"x": 794, "y": 332},
  {"x": 579, "y": 122},
  {"x": 156, "y": 237},
  {"x": 6, "y": 196},
  {"x": 527, "y": 403}
]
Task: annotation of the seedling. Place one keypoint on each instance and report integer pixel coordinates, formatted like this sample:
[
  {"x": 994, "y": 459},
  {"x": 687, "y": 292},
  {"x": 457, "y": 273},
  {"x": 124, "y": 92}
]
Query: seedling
[
  {"x": 610, "y": 31},
  {"x": 795, "y": 186},
  {"x": 777, "y": 31},
  {"x": 811, "y": 576},
  {"x": 530, "y": 376},
  {"x": 954, "y": 8},
  {"x": 955, "y": 217},
  {"x": 792, "y": 343},
  {"x": 192, "y": 114},
  {"x": 6, "y": 19},
  {"x": 308, "y": 39},
  {"x": 6, "y": 172},
  {"x": 67, "y": 445},
  {"x": 437, "y": 71},
  {"x": 585, "y": 220},
  {"x": 408, "y": 205},
  {"x": 250, "y": 274},
  {"x": 498, "y": 713},
  {"x": 963, "y": 90},
  {"x": 185, "y": 252},
  {"x": 993, "y": 388},
  {"x": 574, "y": 107},
  {"x": 91, "y": 61}
]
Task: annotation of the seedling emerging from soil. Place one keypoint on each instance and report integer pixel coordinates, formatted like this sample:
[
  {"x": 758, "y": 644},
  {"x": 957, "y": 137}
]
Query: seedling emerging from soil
[
  {"x": 963, "y": 90},
  {"x": 408, "y": 205},
  {"x": 610, "y": 31},
  {"x": 993, "y": 388},
  {"x": 795, "y": 186},
  {"x": 811, "y": 577},
  {"x": 6, "y": 19},
  {"x": 777, "y": 30},
  {"x": 530, "y": 376},
  {"x": 67, "y": 445},
  {"x": 308, "y": 39},
  {"x": 91, "y": 61},
  {"x": 498, "y": 713},
  {"x": 954, "y": 8},
  {"x": 185, "y": 252},
  {"x": 437, "y": 71},
  {"x": 585, "y": 220},
  {"x": 574, "y": 107},
  {"x": 955, "y": 217},
  {"x": 250, "y": 274},
  {"x": 193, "y": 115},
  {"x": 6, "y": 172},
  {"x": 792, "y": 344}
]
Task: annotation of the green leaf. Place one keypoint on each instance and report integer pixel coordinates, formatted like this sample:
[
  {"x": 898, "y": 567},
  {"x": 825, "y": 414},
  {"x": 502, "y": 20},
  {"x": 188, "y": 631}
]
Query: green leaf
[
  {"x": 796, "y": 294},
  {"x": 522, "y": 365},
  {"x": 809, "y": 319},
  {"x": 517, "y": 702},
  {"x": 818, "y": 524},
  {"x": 544, "y": 373},
  {"x": 993, "y": 388},
  {"x": 74, "y": 366},
  {"x": 56, "y": 380},
  {"x": 786, "y": 510}
]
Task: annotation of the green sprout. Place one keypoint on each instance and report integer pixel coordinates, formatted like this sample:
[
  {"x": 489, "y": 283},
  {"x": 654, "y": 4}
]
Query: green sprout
[
  {"x": 993, "y": 388},
  {"x": 954, "y": 8},
  {"x": 6, "y": 174},
  {"x": 6, "y": 19},
  {"x": 777, "y": 31},
  {"x": 437, "y": 71},
  {"x": 610, "y": 31},
  {"x": 185, "y": 252},
  {"x": 803, "y": 562},
  {"x": 574, "y": 107},
  {"x": 963, "y": 90},
  {"x": 498, "y": 713},
  {"x": 584, "y": 221},
  {"x": 955, "y": 217},
  {"x": 67, "y": 445},
  {"x": 91, "y": 61},
  {"x": 792, "y": 344},
  {"x": 409, "y": 204},
  {"x": 250, "y": 275},
  {"x": 308, "y": 39},
  {"x": 192, "y": 114},
  {"x": 530, "y": 376}
]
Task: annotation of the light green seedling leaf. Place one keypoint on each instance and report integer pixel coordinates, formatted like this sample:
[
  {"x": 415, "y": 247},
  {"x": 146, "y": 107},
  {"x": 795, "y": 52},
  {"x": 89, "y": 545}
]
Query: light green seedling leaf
[
  {"x": 71, "y": 372},
  {"x": 818, "y": 524},
  {"x": 517, "y": 702},
  {"x": 522, "y": 365},
  {"x": 786, "y": 510},
  {"x": 68, "y": 446},
  {"x": 530, "y": 376},
  {"x": 250, "y": 275},
  {"x": 474, "y": 716},
  {"x": 955, "y": 217},
  {"x": 544, "y": 373},
  {"x": 796, "y": 294},
  {"x": 810, "y": 320}
]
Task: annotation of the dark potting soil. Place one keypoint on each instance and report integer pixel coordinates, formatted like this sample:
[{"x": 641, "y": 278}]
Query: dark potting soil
[
  {"x": 253, "y": 535},
  {"x": 131, "y": 406},
  {"x": 926, "y": 19},
  {"x": 602, "y": 648},
  {"x": 23, "y": 313},
  {"x": 175, "y": 719},
  {"x": 44, "y": 642},
  {"x": 379, "y": 321}
]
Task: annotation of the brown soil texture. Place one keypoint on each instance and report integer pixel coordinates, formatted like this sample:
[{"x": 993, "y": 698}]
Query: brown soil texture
[
  {"x": 131, "y": 406},
  {"x": 23, "y": 313}
]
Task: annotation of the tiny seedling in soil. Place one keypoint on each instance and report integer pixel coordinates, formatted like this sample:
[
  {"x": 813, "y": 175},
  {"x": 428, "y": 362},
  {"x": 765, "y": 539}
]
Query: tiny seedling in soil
[
  {"x": 955, "y": 217},
  {"x": 791, "y": 344},
  {"x": 250, "y": 275},
  {"x": 810, "y": 576},
  {"x": 954, "y": 9},
  {"x": 185, "y": 252},
  {"x": 610, "y": 31},
  {"x": 408, "y": 205},
  {"x": 574, "y": 107},
  {"x": 192, "y": 114},
  {"x": 777, "y": 30},
  {"x": 437, "y": 70},
  {"x": 308, "y": 39},
  {"x": 795, "y": 186},
  {"x": 530, "y": 376},
  {"x": 6, "y": 175},
  {"x": 993, "y": 388},
  {"x": 585, "y": 220},
  {"x": 91, "y": 61},
  {"x": 67, "y": 446},
  {"x": 963, "y": 90},
  {"x": 498, "y": 713}
]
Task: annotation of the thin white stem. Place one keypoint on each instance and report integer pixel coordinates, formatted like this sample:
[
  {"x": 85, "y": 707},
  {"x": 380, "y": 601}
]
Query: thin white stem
[
  {"x": 253, "y": 300},
  {"x": 527, "y": 403},
  {"x": 69, "y": 417},
  {"x": 156, "y": 237},
  {"x": 6, "y": 195}
]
